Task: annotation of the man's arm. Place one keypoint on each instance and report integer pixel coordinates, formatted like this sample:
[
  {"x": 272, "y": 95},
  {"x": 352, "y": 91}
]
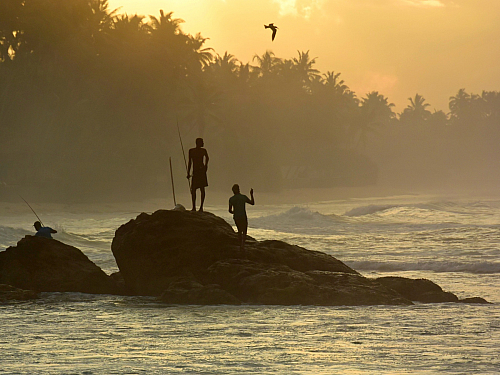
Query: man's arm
[
  {"x": 206, "y": 160},
  {"x": 230, "y": 208},
  {"x": 252, "y": 200}
]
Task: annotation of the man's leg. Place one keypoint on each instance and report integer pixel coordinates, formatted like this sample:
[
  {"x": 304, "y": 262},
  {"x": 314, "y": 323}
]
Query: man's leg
[
  {"x": 240, "y": 225},
  {"x": 239, "y": 237},
  {"x": 244, "y": 235},
  {"x": 202, "y": 198},
  {"x": 193, "y": 198}
]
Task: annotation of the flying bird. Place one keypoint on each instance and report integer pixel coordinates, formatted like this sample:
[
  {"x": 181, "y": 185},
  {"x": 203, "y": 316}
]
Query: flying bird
[{"x": 273, "y": 28}]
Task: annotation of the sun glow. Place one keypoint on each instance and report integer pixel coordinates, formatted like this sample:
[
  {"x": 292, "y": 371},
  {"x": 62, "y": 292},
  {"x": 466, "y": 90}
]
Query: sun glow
[{"x": 405, "y": 46}]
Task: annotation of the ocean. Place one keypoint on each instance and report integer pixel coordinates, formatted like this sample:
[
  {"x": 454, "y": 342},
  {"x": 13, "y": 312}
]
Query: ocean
[{"x": 454, "y": 242}]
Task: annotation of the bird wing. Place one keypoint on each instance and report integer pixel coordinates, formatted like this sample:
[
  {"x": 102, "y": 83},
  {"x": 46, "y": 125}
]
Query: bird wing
[{"x": 274, "y": 34}]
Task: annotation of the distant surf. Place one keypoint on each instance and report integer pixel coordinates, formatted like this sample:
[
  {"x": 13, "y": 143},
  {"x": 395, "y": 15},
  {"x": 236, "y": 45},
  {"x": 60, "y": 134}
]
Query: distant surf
[
  {"x": 443, "y": 206},
  {"x": 297, "y": 219},
  {"x": 435, "y": 266}
]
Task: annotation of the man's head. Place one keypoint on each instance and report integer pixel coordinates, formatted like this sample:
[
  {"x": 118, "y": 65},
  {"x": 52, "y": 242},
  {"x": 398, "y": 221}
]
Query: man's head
[
  {"x": 37, "y": 225},
  {"x": 236, "y": 189},
  {"x": 199, "y": 142}
]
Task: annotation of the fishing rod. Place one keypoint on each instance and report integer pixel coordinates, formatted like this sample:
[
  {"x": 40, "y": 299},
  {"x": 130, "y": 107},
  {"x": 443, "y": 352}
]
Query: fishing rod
[
  {"x": 183, "y": 153},
  {"x": 40, "y": 220},
  {"x": 172, "y": 179}
]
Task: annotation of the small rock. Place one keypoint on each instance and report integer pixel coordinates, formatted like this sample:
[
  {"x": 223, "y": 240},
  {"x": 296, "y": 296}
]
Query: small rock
[
  {"x": 47, "y": 265},
  {"x": 478, "y": 300},
  {"x": 9, "y": 293}
]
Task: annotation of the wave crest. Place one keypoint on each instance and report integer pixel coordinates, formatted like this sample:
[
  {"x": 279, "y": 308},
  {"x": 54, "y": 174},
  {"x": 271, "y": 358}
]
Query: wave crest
[
  {"x": 297, "y": 218},
  {"x": 436, "y": 266},
  {"x": 369, "y": 210}
]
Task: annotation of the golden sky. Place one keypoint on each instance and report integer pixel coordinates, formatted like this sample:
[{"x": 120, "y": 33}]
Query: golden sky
[{"x": 398, "y": 47}]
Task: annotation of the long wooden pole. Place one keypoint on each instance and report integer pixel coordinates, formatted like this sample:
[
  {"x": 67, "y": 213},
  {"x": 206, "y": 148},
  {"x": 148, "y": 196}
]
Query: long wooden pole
[
  {"x": 183, "y": 153},
  {"x": 40, "y": 220},
  {"x": 172, "y": 179}
]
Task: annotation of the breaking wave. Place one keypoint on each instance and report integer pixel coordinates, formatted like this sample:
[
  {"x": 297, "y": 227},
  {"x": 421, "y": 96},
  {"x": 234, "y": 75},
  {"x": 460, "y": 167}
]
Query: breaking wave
[
  {"x": 10, "y": 236},
  {"x": 441, "y": 206},
  {"x": 436, "y": 266},
  {"x": 369, "y": 210},
  {"x": 296, "y": 219}
]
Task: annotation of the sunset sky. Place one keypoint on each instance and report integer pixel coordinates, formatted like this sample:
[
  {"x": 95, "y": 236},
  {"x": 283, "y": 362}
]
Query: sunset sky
[{"x": 398, "y": 47}]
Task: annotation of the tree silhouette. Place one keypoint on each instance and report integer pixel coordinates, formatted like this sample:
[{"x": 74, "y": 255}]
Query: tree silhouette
[
  {"x": 89, "y": 91},
  {"x": 416, "y": 112},
  {"x": 374, "y": 111},
  {"x": 267, "y": 63},
  {"x": 304, "y": 67},
  {"x": 202, "y": 106}
]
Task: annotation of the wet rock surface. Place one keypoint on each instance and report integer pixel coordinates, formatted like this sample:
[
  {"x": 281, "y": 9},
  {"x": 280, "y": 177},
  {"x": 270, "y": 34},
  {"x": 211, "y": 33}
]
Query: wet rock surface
[
  {"x": 47, "y": 265},
  {"x": 423, "y": 290},
  {"x": 194, "y": 258},
  {"x": 186, "y": 257},
  {"x": 8, "y": 293}
]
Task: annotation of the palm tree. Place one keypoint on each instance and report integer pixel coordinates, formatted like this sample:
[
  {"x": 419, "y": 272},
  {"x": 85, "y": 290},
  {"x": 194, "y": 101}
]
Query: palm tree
[
  {"x": 304, "y": 67},
  {"x": 129, "y": 32},
  {"x": 458, "y": 102},
  {"x": 267, "y": 63},
  {"x": 466, "y": 108},
  {"x": 333, "y": 83},
  {"x": 491, "y": 106},
  {"x": 166, "y": 25},
  {"x": 416, "y": 112},
  {"x": 438, "y": 118},
  {"x": 226, "y": 63},
  {"x": 378, "y": 107},
  {"x": 201, "y": 107},
  {"x": 201, "y": 57},
  {"x": 99, "y": 17},
  {"x": 246, "y": 74},
  {"x": 374, "y": 111}
]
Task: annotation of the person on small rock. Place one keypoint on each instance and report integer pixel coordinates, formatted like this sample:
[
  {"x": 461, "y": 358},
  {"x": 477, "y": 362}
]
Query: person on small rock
[
  {"x": 237, "y": 208},
  {"x": 43, "y": 231}
]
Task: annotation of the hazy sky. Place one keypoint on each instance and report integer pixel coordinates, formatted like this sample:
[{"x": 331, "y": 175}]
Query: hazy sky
[{"x": 398, "y": 47}]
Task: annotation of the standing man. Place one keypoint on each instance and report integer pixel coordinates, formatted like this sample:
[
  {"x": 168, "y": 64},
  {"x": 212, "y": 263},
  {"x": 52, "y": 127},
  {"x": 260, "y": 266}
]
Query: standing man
[
  {"x": 237, "y": 208},
  {"x": 198, "y": 157}
]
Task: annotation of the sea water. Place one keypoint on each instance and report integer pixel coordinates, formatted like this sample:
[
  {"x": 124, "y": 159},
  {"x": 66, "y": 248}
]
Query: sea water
[{"x": 453, "y": 242}]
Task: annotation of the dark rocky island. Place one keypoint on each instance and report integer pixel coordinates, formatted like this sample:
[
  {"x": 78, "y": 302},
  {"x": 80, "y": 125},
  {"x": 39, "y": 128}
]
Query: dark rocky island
[{"x": 194, "y": 258}]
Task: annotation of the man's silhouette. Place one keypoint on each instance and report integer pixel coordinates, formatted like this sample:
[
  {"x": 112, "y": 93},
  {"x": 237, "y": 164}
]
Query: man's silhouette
[
  {"x": 237, "y": 208},
  {"x": 198, "y": 158},
  {"x": 43, "y": 231}
]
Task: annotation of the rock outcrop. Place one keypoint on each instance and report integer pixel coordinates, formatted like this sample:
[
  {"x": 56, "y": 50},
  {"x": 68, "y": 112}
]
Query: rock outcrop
[
  {"x": 423, "y": 290},
  {"x": 8, "y": 293},
  {"x": 188, "y": 257},
  {"x": 47, "y": 265},
  {"x": 194, "y": 258}
]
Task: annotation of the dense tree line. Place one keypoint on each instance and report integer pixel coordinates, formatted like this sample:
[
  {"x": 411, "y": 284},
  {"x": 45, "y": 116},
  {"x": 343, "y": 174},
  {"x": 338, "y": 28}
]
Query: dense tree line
[{"x": 91, "y": 99}]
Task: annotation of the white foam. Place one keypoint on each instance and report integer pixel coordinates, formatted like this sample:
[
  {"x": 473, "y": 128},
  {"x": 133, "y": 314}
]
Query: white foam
[
  {"x": 296, "y": 220},
  {"x": 435, "y": 266},
  {"x": 369, "y": 210}
]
